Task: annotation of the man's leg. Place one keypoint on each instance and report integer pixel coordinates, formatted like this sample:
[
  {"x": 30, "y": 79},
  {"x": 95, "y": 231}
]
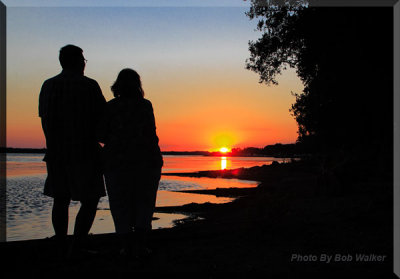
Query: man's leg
[
  {"x": 59, "y": 216},
  {"x": 59, "y": 219}
]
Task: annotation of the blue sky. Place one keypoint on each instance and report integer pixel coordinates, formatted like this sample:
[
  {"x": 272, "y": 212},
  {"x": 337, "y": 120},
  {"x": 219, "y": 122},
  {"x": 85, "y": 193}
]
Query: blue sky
[
  {"x": 126, "y": 3},
  {"x": 149, "y": 39}
]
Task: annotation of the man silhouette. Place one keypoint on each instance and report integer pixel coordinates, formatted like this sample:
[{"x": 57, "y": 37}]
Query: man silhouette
[{"x": 70, "y": 106}]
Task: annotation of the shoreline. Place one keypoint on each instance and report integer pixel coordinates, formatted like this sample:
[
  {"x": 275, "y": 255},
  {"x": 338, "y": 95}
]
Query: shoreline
[
  {"x": 12, "y": 150},
  {"x": 293, "y": 211}
]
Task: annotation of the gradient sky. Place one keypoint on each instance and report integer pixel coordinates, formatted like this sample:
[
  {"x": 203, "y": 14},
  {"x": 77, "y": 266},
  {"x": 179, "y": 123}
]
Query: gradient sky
[{"x": 191, "y": 60}]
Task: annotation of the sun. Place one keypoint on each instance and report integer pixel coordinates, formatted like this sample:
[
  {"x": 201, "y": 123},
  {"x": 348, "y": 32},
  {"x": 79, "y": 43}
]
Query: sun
[{"x": 223, "y": 150}]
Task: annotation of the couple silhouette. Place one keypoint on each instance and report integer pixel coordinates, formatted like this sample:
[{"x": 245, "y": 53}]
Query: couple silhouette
[{"x": 75, "y": 119}]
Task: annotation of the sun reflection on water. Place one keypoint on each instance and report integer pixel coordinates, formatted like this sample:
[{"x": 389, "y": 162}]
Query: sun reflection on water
[{"x": 223, "y": 163}]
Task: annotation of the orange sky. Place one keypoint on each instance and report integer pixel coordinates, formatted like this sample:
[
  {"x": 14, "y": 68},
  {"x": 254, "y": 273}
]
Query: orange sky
[
  {"x": 202, "y": 95},
  {"x": 234, "y": 113}
]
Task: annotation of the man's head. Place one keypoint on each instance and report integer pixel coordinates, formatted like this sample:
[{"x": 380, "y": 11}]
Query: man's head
[{"x": 71, "y": 58}]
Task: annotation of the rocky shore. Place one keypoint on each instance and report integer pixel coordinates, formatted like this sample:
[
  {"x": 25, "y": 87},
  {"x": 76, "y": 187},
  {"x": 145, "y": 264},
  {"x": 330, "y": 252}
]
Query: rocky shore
[{"x": 293, "y": 222}]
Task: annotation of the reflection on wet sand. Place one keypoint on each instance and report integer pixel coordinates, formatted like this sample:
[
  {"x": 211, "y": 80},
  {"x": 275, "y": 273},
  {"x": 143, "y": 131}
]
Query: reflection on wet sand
[
  {"x": 104, "y": 222},
  {"x": 41, "y": 226},
  {"x": 24, "y": 169},
  {"x": 170, "y": 198},
  {"x": 198, "y": 183}
]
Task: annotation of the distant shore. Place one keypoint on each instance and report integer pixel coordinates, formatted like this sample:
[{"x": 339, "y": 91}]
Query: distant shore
[{"x": 275, "y": 154}]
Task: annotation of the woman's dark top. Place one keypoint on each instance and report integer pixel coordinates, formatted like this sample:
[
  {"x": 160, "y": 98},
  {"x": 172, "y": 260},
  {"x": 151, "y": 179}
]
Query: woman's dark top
[{"x": 128, "y": 132}]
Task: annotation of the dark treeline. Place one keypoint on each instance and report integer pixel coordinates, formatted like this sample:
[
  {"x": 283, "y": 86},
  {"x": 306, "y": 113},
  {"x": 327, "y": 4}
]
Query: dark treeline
[
  {"x": 275, "y": 150},
  {"x": 344, "y": 58}
]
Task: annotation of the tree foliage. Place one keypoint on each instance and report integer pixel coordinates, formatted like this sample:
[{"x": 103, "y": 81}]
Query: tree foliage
[
  {"x": 344, "y": 57},
  {"x": 280, "y": 44}
]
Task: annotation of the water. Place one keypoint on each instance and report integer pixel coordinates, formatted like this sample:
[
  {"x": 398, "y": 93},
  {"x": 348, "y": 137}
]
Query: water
[{"x": 29, "y": 211}]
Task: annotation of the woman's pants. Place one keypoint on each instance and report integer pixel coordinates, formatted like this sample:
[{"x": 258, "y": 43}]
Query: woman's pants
[{"x": 132, "y": 197}]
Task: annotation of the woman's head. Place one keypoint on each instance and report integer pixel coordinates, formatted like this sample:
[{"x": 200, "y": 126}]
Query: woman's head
[{"x": 128, "y": 84}]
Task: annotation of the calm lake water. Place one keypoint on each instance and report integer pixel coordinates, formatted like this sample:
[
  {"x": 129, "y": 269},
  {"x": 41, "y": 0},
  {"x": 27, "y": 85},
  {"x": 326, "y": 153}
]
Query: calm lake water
[{"x": 29, "y": 211}]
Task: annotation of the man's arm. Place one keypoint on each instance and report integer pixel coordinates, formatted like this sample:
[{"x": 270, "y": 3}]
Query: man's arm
[
  {"x": 101, "y": 125},
  {"x": 43, "y": 107}
]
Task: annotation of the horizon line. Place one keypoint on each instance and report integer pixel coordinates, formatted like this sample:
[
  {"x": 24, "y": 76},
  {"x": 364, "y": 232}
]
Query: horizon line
[{"x": 41, "y": 148}]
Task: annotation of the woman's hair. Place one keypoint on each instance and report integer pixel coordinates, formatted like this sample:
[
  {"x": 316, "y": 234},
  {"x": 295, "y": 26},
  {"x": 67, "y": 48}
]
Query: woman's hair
[{"x": 128, "y": 84}]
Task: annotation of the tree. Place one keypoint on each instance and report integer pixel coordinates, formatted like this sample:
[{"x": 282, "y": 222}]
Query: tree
[{"x": 344, "y": 57}]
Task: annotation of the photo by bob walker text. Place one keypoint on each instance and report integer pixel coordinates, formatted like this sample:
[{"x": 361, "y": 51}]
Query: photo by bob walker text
[{"x": 338, "y": 258}]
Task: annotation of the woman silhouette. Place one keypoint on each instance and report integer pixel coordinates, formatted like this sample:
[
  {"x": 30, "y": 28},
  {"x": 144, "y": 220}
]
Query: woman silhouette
[{"x": 133, "y": 161}]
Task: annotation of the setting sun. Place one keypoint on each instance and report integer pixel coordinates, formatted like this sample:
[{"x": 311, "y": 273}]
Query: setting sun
[{"x": 223, "y": 149}]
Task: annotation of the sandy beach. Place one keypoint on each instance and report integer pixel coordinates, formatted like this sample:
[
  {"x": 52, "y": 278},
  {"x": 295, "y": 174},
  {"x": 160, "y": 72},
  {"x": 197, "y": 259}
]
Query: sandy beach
[{"x": 295, "y": 221}]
